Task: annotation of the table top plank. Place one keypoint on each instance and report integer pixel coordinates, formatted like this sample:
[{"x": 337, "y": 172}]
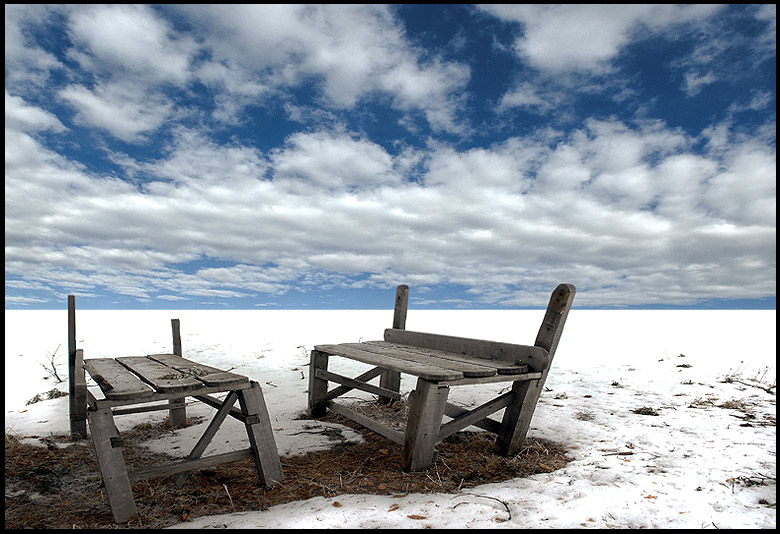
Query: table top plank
[
  {"x": 501, "y": 367},
  {"x": 115, "y": 381},
  {"x": 421, "y": 370},
  {"x": 164, "y": 379},
  {"x": 211, "y": 376},
  {"x": 426, "y": 356}
]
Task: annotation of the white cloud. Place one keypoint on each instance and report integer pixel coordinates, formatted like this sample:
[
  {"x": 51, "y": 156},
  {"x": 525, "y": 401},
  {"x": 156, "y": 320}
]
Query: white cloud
[
  {"x": 354, "y": 51},
  {"x": 21, "y": 116},
  {"x": 130, "y": 40},
  {"x": 586, "y": 37},
  {"x": 123, "y": 110}
]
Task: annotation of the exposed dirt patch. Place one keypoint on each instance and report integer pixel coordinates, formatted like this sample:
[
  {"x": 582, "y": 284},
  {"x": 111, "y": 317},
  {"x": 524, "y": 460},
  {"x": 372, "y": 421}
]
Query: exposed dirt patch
[{"x": 52, "y": 487}]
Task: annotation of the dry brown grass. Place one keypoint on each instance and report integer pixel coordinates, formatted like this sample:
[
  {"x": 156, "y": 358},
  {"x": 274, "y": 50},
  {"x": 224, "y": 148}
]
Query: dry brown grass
[{"x": 61, "y": 488}]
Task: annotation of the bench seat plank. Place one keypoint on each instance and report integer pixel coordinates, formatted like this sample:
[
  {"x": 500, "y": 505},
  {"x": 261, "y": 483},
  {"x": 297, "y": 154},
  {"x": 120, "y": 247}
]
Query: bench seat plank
[
  {"x": 115, "y": 381},
  {"x": 421, "y": 370},
  {"x": 501, "y": 367},
  {"x": 402, "y": 352},
  {"x": 210, "y": 376},
  {"x": 536, "y": 357},
  {"x": 161, "y": 377}
]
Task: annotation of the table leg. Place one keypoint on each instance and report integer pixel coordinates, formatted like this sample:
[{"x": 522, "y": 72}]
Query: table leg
[
  {"x": 318, "y": 387},
  {"x": 108, "y": 447},
  {"x": 517, "y": 418},
  {"x": 261, "y": 435},
  {"x": 427, "y": 404}
]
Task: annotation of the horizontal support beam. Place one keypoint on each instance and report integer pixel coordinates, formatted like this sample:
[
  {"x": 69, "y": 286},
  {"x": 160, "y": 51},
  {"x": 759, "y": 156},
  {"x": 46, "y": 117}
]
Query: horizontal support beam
[
  {"x": 469, "y": 417},
  {"x": 189, "y": 465},
  {"x": 353, "y": 383},
  {"x": 374, "y": 426},
  {"x": 491, "y": 425}
]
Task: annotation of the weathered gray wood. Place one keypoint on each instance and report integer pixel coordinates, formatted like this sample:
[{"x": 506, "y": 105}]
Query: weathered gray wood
[
  {"x": 261, "y": 435},
  {"x": 208, "y": 434},
  {"x": 500, "y": 366},
  {"x": 78, "y": 399},
  {"x": 115, "y": 381},
  {"x": 358, "y": 384},
  {"x": 112, "y": 465},
  {"x": 359, "y": 418},
  {"x": 176, "y": 334},
  {"x": 536, "y": 357},
  {"x": 491, "y": 425},
  {"x": 189, "y": 465},
  {"x": 178, "y": 408},
  {"x": 318, "y": 388},
  {"x": 392, "y": 379},
  {"x": 77, "y": 386},
  {"x": 512, "y": 432},
  {"x": 161, "y": 377},
  {"x": 365, "y": 377},
  {"x": 468, "y": 369},
  {"x": 491, "y": 379},
  {"x": 141, "y": 409},
  {"x": 470, "y": 417},
  {"x": 109, "y": 403},
  {"x": 426, "y": 409},
  {"x": 210, "y": 376},
  {"x": 428, "y": 372},
  {"x": 217, "y": 403},
  {"x": 518, "y": 415}
]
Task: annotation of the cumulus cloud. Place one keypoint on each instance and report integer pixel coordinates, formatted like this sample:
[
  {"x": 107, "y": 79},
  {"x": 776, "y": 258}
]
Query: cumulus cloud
[{"x": 631, "y": 209}]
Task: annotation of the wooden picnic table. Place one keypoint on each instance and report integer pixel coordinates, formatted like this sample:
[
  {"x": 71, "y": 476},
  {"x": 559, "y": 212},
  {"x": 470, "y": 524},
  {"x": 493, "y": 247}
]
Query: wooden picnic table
[
  {"x": 440, "y": 362},
  {"x": 134, "y": 384}
]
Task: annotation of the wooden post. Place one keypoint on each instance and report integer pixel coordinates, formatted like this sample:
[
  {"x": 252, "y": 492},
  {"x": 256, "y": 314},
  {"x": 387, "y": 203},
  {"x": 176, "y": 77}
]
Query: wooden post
[
  {"x": 517, "y": 416},
  {"x": 177, "y": 411},
  {"x": 427, "y": 404},
  {"x": 77, "y": 385},
  {"x": 261, "y": 435},
  {"x": 392, "y": 379},
  {"x": 108, "y": 445},
  {"x": 318, "y": 387}
]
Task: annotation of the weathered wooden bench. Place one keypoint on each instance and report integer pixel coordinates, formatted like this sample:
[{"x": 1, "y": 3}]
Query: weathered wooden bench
[
  {"x": 440, "y": 362},
  {"x": 129, "y": 384}
]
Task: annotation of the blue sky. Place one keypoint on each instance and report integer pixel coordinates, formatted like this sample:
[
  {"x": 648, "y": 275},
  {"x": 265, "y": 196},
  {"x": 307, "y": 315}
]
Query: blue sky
[{"x": 267, "y": 156}]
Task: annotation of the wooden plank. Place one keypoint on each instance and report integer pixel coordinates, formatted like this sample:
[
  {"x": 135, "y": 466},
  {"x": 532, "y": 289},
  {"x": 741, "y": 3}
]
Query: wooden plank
[
  {"x": 189, "y": 465},
  {"x": 359, "y": 418},
  {"x": 468, "y": 369},
  {"x": 161, "y": 377},
  {"x": 105, "y": 437},
  {"x": 365, "y": 377},
  {"x": 77, "y": 388},
  {"x": 469, "y": 417},
  {"x": 427, "y": 404},
  {"x": 115, "y": 381},
  {"x": 428, "y": 372},
  {"x": 357, "y": 384},
  {"x": 208, "y": 435},
  {"x": 501, "y": 367},
  {"x": 261, "y": 435},
  {"x": 491, "y": 425},
  {"x": 211, "y": 376},
  {"x": 318, "y": 388},
  {"x": 536, "y": 357}
]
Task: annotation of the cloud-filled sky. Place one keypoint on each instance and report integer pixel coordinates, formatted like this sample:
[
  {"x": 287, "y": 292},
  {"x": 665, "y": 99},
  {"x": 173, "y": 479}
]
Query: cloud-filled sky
[{"x": 315, "y": 156}]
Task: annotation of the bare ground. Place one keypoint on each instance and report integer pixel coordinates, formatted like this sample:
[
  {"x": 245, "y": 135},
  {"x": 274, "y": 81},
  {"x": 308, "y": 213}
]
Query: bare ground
[{"x": 53, "y": 487}]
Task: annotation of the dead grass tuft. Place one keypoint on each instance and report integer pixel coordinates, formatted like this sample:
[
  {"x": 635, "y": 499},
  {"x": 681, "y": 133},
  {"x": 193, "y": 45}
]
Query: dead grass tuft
[{"x": 56, "y": 487}]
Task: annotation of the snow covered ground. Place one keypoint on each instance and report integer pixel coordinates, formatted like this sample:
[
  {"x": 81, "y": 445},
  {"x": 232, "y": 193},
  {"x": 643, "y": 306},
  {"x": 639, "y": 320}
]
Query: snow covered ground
[{"x": 701, "y": 454}]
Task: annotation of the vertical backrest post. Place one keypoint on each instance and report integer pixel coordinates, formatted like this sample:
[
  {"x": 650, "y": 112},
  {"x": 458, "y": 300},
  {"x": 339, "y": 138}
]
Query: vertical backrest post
[
  {"x": 77, "y": 386},
  {"x": 555, "y": 318},
  {"x": 176, "y": 333},
  {"x": 392, "y": 379},
  {"x": 401, "y": 306},
  {"x": 177, "y": 408}
]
